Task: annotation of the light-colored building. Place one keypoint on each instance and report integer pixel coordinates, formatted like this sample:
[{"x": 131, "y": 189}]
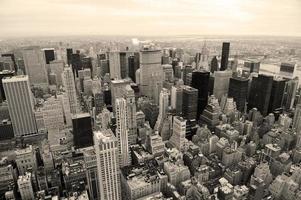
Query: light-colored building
[
  {"x": 107, "y": 156},
  {"x": 131, "y": 114},
  {"x": 69, "y": 85},
  {"x": 221, "y": 83},
  {"x": 114, "y": 64},
  {"x": 122, "y": 131},
  {"x": 151, "y": 72},
  {"x": 118, "y": 89},
  {"x": 179, "y": 132},
  {"x": 57, "y": 67},
  {"x": 25, "y": 187},
  {"x": 35, "y": 66},
  {"x": 91, "y": 172},
  {"x": 163, "y": 108},
  {"x": 53, "y": 114},
  {"x": 176, "y": 173},
  {"x": 26, "y": 160},
  {"x": 20, "y": 105}
]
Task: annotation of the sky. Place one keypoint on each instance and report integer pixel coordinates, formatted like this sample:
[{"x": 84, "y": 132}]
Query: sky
[{"x": 22, "y": 18}]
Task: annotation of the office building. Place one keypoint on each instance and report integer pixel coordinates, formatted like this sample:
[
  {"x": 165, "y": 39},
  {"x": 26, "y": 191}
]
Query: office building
[
  {"x": 25, "y": 187},
  {"x": 214, "y": 65},
  {"x": 252, "y": 66},
  {"x": 53, "y": 114},
  {"x": 13, "y": 59},
  {"x": 35, "y": 66},
  {"x": 114, "y": 64},
  {"x": 225, "y": 55},
  {"x": 288, "y": 70},
  {"x": 69, "y": 53},
  {"x": 289, "y": 95},
  {"x": 221, "y": 83},
  {"x": 4, "y": 74},
  {"x": 26, "y": 160},
  {"x": 107, "y": 157},
  {"x": 82, "y": 130},
  {"x": 49, "y": 55},
  {"x": 167, "y": 72},
  {"x": 129, "y": 96},
  {"x": 297, "y": 119},
  {"x": 69, "y": 86},
  {"x": 151, "y": 72},
  {"x": 20, "y": 105},
  {"x": 176, "y": 99},
  {"x": 118, "y": 89},
  {"x": 76, "y": 63},
  {"x": 57, "y": 67},
  {"x": 238, "y": 90},
  {"x": 163, "y": 107},
  {"x": 122, "y": 131},
  {"x": 91, "y": 172},
  {"x": 190, "y": 102},
  {"x": 134, "y": 64},
  {"x": 178, "y": 137},
  {"x": 276, "y": 94},
  {"x": 200, "y": 81},
  {"x": 260, "y": 93}
]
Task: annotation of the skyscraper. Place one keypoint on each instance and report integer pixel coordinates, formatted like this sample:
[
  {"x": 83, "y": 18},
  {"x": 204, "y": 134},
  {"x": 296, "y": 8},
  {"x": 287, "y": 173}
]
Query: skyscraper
[
  {"x": 190, "y": 102},
  {"x": 176, "y": 98},
  {"x": 225, "y": 55},
  {"x": 20, "y": 105},
  {"x": 151, "y": 72},
  {"x": 163, "y": 107},
  {"x": 290, "y": 93},
  {"x": 214, "y": 65},
  {"x": 69, "y": 85},
  {"x": 4, "y": 74},
  {"x": 107, "y": 156},
  {"x": 82, "y": 130},
  {"x": 25, "y": 187},
  {"x": 122, "y": 131},
  {"x": 133, "y": 66},
  {"x": 114, "y": 64},
  {"x": 276, "y": 94},
  {"x": 179, "y": 132},
  {"x": 69, "y": 55},
  {"x": 49, "y": 55},
  {"x": 221, "y": 83},
  {"x": 297, "y": 119},
  {"x": 131, "y": 114},
  {"x": 238, "y": 89},
  {"x": 260, "y": 93},
  {"x": 200, "y": 81},
  {"x": 35, "y": 66}
]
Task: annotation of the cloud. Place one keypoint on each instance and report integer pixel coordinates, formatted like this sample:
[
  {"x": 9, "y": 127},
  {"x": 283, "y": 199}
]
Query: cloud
[{"x": 149, "y": 17}]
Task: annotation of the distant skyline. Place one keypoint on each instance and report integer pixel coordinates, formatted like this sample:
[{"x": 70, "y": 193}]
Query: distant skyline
[{"x": 19, "y": 18}]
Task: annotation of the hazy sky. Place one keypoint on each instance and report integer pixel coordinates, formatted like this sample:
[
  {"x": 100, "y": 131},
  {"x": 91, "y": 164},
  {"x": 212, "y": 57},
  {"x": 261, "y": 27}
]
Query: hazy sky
[{"x": 149, "y": 17}]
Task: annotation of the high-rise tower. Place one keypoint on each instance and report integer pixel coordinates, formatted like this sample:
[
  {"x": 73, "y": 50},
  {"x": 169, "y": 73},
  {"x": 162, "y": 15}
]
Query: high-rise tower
[
  {"x": 107, "y": 156},
  {"x": 20, "y": 105},
  {"x": 68, "y": 82},
  {"x": 225, "y": 55}
]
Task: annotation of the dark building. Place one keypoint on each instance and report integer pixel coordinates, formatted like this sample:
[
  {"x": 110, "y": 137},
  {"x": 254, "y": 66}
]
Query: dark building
[
  {"x": 225, "y": 55},
  {"x": 252, "y": 66},
  {"x": 69, "y": 56},
  {"x": 238, "y": 89},
  {"x": 49, "y": 55},
  {"x": 76, "y": 63},
  {"x": 133, "y": 66},
  {"x": 276, "y": 95},
  {"x": 200, "y": 81},
  {"x": 12, "y": 56},
  {"x": 190, "y": 102},
  {"x": 260, "y": 93},
  {"x": 4, "y": 74},
  {"x": 107, "y": 97},
  {"x": 6, "y": 130},
  {"x": 214, "y": 65},
  {"x": 82, "y": 130},
  {"x": 211, "y": 85},
  {"x": 123, "y": 64},
  {"x": 174, "y": 64}
]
